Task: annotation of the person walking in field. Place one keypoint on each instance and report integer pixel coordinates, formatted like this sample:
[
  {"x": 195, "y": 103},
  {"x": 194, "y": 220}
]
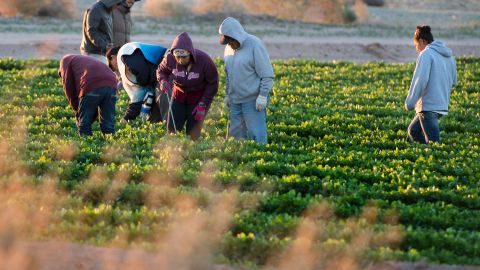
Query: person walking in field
[
  {"x": 98, "y": 29},
  {"x": 90, "y": 87},
  {"x": 195, "y": 84},
  {"x": 122, "y": 23},
  {"x": 429, "y": 95},
  {"x": 137, "y": 65},
  {"x": 249, "y": 81}
]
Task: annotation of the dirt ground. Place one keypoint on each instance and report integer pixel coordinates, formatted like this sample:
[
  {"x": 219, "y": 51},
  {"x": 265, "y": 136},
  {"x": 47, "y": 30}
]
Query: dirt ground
[{"x": 355, "y": 49}]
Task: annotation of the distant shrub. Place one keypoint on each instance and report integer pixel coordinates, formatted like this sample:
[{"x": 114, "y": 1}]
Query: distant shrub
[
  {"x": 168, "y": 8},
  {"x": 314, "y": 11},
  {"x": 349, "y": 14},
  {"x": 41, "y": 8},
  {"x": 218, "y": 6},
  {"x": 361, "y": 11}
]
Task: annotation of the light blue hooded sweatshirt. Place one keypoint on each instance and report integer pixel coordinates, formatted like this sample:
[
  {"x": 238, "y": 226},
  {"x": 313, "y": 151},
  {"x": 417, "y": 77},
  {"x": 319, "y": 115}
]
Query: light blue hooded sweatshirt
[
  {"x": 249, "y": 71},
  {"x": 434, "y": 76}
]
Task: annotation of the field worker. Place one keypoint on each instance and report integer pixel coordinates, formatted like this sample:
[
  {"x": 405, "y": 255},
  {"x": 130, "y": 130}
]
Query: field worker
[
  {"x": 249, "y": 81},
  {"x": 137, "y": 64},
  {"x": 122, "y": 23},
  {"x": 195, "y": 84},
  {"x": 90, "y": 87},
  {"x": 98, "y": 29},
  {"x": 434, "y": 76}
]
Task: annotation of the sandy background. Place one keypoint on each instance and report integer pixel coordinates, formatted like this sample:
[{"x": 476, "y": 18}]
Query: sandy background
[
  {"x": 386, "y": 35},
  {"x": 360, "y": 50}
]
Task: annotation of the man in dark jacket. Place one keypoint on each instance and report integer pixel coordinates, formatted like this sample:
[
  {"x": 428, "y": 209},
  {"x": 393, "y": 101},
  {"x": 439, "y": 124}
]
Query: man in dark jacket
[
  {"x": 122, "y": 23},
  {"x": 98, "y": 29},
  {"x": 89, "y": 86}
]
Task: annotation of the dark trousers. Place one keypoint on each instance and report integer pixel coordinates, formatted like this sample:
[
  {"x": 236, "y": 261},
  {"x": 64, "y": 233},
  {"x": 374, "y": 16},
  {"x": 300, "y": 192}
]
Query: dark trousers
[
  {"x": 133, "y": 111},
  {"x": 182, "y": 114},
  {"x": 101, "y": 101},
  {"x": 424, "y": 128}
]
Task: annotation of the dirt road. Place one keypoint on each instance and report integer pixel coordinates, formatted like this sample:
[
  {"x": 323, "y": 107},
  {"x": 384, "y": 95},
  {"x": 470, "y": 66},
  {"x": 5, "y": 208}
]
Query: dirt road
[{"x": 355, "y": 49}]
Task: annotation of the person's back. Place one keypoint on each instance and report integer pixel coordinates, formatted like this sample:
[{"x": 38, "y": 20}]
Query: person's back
[
  {"x": 439, "y": 80},
  {"x": 89, "y": 84},
  {"x": 429, "y": 95},
  {"x": 97, "y": 29}
]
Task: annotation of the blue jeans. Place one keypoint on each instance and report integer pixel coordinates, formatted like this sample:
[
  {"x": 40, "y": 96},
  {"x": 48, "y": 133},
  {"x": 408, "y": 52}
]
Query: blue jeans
[
  {"x": 248, "y": 123},
  {"x": 101, "y": 99},
  {"x": 424, "y": 128}
]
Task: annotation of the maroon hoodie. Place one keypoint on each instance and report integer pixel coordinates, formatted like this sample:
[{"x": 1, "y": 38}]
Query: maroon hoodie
[
  {"x": 200, "y": 83},
  {"x": 81, "y": 74}
]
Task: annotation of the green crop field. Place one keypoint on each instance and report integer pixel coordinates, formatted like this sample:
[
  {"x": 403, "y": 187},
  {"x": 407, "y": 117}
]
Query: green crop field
[{"x": 338, "y": 162}]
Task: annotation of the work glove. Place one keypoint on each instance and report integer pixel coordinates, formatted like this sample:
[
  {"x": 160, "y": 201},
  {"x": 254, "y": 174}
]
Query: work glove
[
  {"x": 261, "y": 103},
  {"x": 165, "y": 86},
  {"x": 226, "y": 102},
  {"x": 199, "y": 111}
]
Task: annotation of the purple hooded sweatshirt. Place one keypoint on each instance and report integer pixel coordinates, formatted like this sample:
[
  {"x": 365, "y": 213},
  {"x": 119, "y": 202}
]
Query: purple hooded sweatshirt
[{"x": 200, "y": 83}]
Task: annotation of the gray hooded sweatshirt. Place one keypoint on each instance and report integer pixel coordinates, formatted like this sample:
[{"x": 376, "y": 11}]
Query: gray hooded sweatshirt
[
  {"x": 98, "y": 27},
  {"x": 434, "y": 76},
  {"x": 248, "y": 69}
]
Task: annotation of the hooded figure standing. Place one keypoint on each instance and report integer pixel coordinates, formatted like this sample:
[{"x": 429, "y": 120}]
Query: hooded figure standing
[
  {"x": 429, "y": 95},
  {"x": 249, "y": 81},
  {"x": 122, "y": 23},
  {"x": 195, "y": 84},
  {"x": 98, "y": 29}
]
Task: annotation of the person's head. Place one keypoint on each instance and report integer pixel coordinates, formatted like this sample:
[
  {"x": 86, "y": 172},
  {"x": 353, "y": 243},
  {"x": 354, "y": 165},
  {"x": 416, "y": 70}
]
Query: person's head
[
  {"x": 224, "y": 40},
  {"x": 111, "y": 4},
  {"x": 112, "y": 58},
  {"x": 422, "y": 37},
  {"x": 183, "y": 57},
  {"x": 128, "y": 3}
]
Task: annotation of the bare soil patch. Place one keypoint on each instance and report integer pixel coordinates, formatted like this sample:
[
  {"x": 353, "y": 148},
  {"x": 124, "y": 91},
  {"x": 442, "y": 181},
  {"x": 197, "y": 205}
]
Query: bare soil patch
[{"x": 358, "y": 50}]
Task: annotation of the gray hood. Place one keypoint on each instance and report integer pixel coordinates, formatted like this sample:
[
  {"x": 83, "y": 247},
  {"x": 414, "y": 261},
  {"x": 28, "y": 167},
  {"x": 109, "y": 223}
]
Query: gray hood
[
  {"x": 232, "y": 28},
  {"x": 440, "y": 48},
  {"x": 110, "y": 3}
]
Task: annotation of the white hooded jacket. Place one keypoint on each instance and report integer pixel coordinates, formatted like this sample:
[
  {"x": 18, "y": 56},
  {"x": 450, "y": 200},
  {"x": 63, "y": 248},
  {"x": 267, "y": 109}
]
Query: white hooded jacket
[{"x": 153, "y": 53}]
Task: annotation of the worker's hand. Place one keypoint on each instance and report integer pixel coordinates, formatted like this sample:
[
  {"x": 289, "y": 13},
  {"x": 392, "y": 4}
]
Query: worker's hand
[
  {"x": 165, "y": 86},
  {"x": 199, "y": 111},
  {"x": 144, "y": 116},
  {"x": 261, "y": 103}
]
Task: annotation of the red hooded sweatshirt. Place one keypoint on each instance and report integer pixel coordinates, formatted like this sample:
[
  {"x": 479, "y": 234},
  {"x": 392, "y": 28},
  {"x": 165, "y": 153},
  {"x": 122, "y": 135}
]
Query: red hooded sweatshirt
[
  {"x": 200, "y": 83},
  {"x": 81, "y": 74}
]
